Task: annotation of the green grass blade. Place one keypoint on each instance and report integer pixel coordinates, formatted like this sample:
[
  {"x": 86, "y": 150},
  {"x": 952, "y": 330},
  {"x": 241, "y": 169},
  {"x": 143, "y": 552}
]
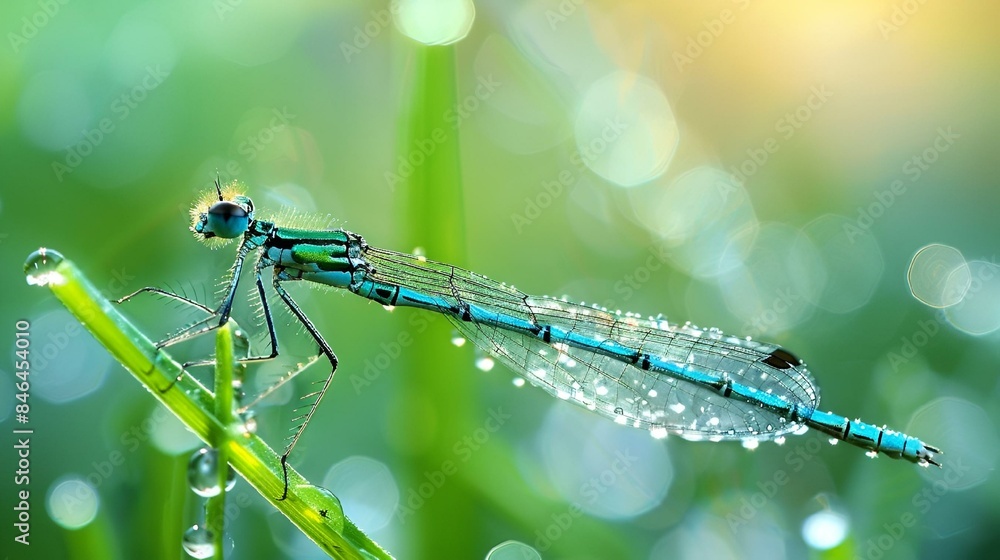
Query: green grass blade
[{"x": 194, "y": 405}]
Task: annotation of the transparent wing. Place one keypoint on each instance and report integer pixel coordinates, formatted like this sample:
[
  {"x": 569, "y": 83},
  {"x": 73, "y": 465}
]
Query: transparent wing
[{"x": 608, "y": 384}]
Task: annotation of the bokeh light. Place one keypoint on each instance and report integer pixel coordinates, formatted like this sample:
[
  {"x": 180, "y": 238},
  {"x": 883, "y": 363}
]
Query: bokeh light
[
  {"x": 367, "y": 490},
  {"x": 67, "y": 361},
  {"x": 72, "y": 503},
  {"x": 625, "y": 130},
  {"x": 938, "y": 275},
  {"x": 434, "y": 22},
  {"x": 978, "y": 312},
  {"x": 824, "y": 530},
  {"x": 968, "y": 436},
  {"x": 604, "y": 476},
  {"x": 513, "y": 550},
  {"x": 706, "y": 218}
]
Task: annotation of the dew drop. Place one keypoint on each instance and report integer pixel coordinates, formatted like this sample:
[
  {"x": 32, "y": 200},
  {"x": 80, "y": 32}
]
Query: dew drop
[
  {"x": 198, "y": 542},
  {"x": 203, "y": 473},
  {"x": 249, "y": 421},
  {"x": 485, "y": 363},
  {"x": 518, "y": 382},
  {"x": 751, "y": 444},
  {"x": 325, "y": 503},
  {"x": 40, "y": 267},
  {"x": 457, "y": 339}
]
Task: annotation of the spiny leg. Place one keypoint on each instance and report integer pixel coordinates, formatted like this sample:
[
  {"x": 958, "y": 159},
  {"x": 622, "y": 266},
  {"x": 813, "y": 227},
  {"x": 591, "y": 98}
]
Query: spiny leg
[
  {"x": 222, "y": 313},
  {"x": 167, "y": 294},
  {"x": 258, "y": 267},
  {"x": 324, "y": 349}
]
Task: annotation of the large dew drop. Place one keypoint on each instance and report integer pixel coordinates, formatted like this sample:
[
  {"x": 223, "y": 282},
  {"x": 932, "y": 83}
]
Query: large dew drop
[
  {"x": 203, "y": 469},
  {"x": 197, "y": 542},
  {"x": 40, "y": 267}
]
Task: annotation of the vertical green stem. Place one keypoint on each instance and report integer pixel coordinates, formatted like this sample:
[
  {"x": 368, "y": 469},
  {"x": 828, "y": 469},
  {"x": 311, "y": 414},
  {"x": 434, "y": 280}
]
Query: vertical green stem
[
  {"x": 215, "y": 509},
  {"x": 434, "y": 213}
]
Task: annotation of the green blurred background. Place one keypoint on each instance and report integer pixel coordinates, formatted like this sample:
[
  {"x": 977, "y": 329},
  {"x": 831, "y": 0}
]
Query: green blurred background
[{"x": 769, "y": 169}]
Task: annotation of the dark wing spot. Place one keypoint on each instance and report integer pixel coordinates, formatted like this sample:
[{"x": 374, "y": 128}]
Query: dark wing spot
[{"x": 782, "y": 359}]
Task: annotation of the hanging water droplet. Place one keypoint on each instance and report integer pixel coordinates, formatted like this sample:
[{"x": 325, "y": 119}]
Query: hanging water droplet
[
  {"x": 457, "y": 339},
  {"x": 751, "y": 444},
  {"x": 518, "y": 382},
  {"x": 484, "y": 362},
  {"x": 40, "y": 267},
  {"x": 198, "y": 542},
  {"x": 203, "y": 471},
  {"x": 238, "y": 393},
  {"x": 249, "y": 421}
]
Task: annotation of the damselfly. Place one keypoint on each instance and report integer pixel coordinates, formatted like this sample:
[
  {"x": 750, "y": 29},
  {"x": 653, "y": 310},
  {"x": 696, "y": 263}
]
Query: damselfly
[{"x": 640, "y": 372}]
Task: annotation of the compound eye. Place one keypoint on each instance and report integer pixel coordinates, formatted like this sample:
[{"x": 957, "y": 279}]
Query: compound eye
[{"x": 227, "y": 219}]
